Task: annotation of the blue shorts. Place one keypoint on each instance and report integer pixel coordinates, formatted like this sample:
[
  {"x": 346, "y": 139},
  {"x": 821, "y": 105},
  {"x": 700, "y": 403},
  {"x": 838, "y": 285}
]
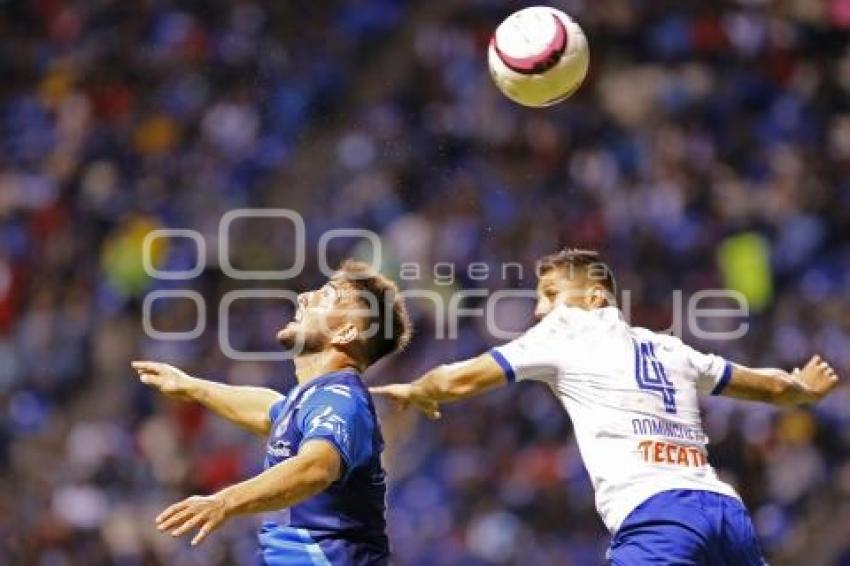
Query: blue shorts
[{"x": 687, "y": 527}]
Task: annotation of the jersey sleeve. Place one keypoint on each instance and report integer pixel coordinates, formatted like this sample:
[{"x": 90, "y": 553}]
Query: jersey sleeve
[
  {"x": 275, "y": 409},
  {"x": 338, "y": 415},
  {"x": 712, "y": 373},
  {"x": 530, "y": 356}
]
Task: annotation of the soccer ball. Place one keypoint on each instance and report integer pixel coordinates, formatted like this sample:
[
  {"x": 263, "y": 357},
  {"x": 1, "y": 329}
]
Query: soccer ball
[{"x": 538, "y": 56}]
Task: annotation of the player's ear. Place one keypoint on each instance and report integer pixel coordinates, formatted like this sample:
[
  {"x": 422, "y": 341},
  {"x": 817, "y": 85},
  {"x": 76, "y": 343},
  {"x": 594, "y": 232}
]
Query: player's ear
[
  {"x": 595, "y": 297},
  {"x": 346, "y": 334}
]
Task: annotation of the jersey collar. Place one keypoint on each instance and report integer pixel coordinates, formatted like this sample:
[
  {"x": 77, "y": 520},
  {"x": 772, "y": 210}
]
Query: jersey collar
[{"x": 329, "y": 377}]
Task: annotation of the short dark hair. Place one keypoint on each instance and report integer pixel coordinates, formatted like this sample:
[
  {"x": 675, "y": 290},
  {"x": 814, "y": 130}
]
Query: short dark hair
[
  {"x": 394, "y": 327},
  {"x": 588, "y": 261}
]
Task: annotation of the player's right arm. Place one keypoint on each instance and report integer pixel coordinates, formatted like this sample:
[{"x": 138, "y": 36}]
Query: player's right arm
[
  {"x": 446, "y": 383},
  {"x": 530, "y": 356},
  {"x": 808, "y": 385},
  {"x": 245, "y": 406}
]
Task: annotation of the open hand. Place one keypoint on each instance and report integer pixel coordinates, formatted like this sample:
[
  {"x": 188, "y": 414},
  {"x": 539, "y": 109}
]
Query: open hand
[
  {"x": 404, "y": 395},
  {"x": 817, "y": 378},
  {"x": 168, "y": 379},
  {"x": 205, "y": 513}
]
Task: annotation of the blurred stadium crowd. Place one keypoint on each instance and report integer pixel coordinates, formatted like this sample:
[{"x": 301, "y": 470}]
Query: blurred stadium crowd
[{"x": 709, "y": 148}]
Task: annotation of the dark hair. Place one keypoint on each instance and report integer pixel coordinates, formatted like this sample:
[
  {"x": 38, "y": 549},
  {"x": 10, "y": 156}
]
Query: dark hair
[
  {"x": 588, "y": 261},
  {"x": 394, "y": 326}
]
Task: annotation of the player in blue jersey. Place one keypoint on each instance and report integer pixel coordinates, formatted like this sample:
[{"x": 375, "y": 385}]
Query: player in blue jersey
[{"x": 323, "y": 487}]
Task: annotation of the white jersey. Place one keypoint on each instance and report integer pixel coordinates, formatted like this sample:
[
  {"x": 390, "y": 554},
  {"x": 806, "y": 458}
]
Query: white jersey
[{"x": 632, "y": 395}]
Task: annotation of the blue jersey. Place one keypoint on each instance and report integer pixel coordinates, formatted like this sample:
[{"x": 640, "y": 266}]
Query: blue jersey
[{"x": 344, "y": 524}]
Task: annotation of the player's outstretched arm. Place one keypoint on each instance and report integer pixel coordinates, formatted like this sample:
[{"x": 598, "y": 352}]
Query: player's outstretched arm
[
  {"x": 808, "y": 385},
  {"x": 245, "y": 406},
  {"x": 445, "y": 383},
  {"x": 316, "y": 466}
]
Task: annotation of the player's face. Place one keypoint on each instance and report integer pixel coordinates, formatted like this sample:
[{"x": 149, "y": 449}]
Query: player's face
[
  {"x": 323, "y": 317},
  {"x": 555, "y": 288}
]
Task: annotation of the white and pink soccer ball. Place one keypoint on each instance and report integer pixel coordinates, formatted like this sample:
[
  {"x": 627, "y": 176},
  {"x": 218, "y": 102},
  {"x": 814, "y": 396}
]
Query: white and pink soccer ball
[{"x": 538, "y": 56}]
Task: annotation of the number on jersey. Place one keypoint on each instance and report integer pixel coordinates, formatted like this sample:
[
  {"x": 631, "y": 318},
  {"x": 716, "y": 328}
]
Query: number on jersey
[{"x": 650, "y": 375}]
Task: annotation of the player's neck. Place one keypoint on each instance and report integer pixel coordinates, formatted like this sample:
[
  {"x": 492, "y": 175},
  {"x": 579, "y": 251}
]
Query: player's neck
[{"x": 310, "y": 366}]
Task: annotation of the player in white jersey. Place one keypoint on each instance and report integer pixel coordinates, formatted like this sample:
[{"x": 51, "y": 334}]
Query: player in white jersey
[{"x": 632, "y": 395}]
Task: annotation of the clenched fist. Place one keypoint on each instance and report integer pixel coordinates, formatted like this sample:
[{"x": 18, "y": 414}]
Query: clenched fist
[{"x": 168, "y": 379}]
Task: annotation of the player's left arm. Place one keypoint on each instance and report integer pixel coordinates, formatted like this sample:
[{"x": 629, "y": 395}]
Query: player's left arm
[
  {"x": 808, "y": 385},
  {"x": 337, "y": 438},
  {"x": 446, "y": 383},
  {"x": 316, "y": 466}
]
